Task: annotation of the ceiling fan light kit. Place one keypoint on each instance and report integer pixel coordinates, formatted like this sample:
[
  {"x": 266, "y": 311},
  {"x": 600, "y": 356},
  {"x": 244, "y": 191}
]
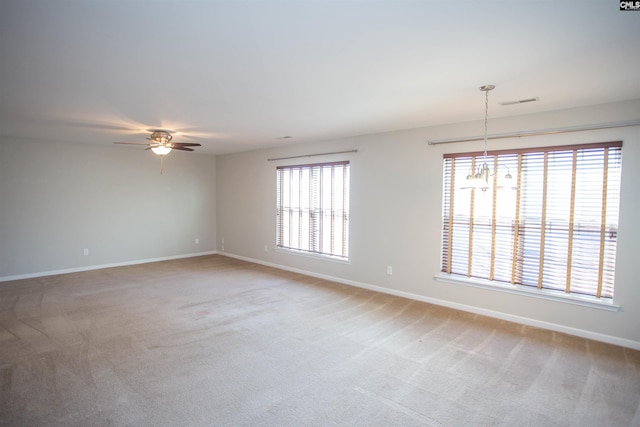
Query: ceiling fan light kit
[
  {"x": 161, "y": 150},
  {"x": 161, "y": 144}
]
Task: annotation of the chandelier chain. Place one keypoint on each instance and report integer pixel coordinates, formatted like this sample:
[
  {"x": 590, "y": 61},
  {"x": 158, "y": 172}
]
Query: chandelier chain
[{"x": 486, "y": 119}]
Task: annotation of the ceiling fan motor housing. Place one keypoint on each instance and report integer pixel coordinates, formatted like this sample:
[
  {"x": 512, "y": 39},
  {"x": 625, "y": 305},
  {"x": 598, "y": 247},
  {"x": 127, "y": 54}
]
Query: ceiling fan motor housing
[{"x": 161, "y": 137}]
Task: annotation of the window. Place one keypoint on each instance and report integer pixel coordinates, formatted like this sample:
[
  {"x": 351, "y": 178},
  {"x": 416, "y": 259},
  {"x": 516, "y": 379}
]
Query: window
[
  {"x": 313, "y": 208},
  {"x": 556, "y": 231}
]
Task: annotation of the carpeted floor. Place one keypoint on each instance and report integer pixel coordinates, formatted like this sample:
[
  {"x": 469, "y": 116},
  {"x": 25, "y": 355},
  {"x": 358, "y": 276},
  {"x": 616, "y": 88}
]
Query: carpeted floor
[{"x": 213, "y": 341}]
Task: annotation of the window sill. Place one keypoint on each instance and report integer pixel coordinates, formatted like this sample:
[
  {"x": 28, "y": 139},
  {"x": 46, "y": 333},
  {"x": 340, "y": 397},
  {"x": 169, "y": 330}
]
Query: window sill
[
  {"x": 313, "y": 255},
  {"x": 585, "y": 301}
]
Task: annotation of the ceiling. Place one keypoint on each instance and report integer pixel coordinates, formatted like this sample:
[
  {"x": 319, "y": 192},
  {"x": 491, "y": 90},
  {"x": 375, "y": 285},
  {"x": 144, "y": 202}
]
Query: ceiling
[{"x": 241, "y": 75}]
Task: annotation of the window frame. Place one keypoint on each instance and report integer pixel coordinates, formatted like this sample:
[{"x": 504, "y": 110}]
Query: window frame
[
  {"x": 448, "y": 199},
  {"x": 322, "y": 226}
]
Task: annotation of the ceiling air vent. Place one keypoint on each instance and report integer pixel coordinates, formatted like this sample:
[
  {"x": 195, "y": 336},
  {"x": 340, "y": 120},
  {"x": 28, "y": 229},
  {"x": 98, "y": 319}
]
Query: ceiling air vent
[{"x": 522, "y": 101}]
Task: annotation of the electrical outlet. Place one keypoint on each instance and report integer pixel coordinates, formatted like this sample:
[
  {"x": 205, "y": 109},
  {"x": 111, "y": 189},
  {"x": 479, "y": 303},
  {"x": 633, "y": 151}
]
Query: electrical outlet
[
  {"x": 86, "y": 252},
  {"x": 389, "y": 270},
  {"x": 266, "y": 248},
  {"x": 197, "y": 240}
]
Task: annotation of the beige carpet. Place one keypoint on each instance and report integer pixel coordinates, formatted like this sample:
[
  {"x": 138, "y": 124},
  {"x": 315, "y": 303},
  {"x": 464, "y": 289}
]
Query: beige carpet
[{"x": 213, "y": 341}]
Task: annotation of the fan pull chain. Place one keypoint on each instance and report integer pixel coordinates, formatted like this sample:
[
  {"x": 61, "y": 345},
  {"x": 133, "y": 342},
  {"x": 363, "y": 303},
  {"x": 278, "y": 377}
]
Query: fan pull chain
[{"x": 161, "y": 165}]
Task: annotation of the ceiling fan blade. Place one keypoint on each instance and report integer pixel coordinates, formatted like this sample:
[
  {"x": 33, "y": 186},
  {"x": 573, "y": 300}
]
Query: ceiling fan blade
[
  {"x": 183, "y": 148},
  {"x": 187, "y": 144},
  {"x": 131, "y": 143}
]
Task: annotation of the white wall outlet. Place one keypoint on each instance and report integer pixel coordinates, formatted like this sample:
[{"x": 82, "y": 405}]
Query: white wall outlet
[
  {"x": 389, "y": 270},
  {"x": 222, "y": 240},
  {"x": 86, "y": 252},
  {"x": 197, "y": 240},
  {"x": 266, "y": 248}
]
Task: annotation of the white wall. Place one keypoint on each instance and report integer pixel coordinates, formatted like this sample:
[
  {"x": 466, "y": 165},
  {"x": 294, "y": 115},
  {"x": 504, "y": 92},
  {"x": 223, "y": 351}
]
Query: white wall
[
  {"x": 57, "y": 199},
  {"x": 396, "y": 199}
]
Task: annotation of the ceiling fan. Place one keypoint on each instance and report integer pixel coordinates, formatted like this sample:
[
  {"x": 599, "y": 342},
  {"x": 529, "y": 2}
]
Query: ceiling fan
[{"x": 161, "y": 144}]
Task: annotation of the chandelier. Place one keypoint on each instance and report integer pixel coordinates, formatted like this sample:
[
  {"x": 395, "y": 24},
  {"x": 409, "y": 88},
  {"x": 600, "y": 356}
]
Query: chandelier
[{"x": 480, "y": 178}]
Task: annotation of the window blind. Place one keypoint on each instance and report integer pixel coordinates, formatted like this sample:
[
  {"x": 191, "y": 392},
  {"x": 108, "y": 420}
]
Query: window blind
[
  {"x": 312, "y": 212},
  {"x": 556, "y": 231}
]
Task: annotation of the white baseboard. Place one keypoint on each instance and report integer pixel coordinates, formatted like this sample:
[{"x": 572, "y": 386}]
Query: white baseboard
[
  {"x": 623, "y": 342},
  {"x": 99, "y": 266}
]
